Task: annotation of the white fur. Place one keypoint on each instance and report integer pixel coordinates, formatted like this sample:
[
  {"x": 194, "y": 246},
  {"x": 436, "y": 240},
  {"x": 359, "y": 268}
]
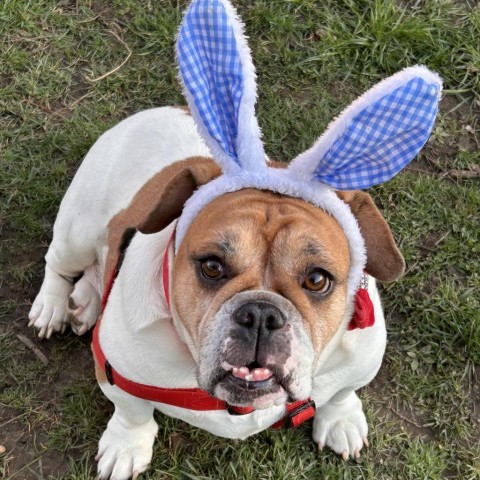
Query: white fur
[
  {"x": 138, "y": 336},
  {"x": 341, "y": 424}
]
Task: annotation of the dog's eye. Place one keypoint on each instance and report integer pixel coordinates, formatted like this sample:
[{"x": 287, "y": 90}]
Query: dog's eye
[
  {"x": 317, "y": 281},
  {"x": 212, "y": 268}
]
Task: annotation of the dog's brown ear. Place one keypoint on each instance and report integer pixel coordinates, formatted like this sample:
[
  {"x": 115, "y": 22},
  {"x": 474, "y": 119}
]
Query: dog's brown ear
[
  {"x": 384, "y": 260},
  {"x": 168, "y": 191}
]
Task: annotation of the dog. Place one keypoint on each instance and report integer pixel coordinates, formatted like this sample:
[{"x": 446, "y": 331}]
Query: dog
[
  {"x": 264, "y": 249},
  {"x": 229, "y": 292}
]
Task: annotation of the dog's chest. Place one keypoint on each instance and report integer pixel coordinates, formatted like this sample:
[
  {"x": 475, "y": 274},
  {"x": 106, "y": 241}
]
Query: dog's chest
[{"x": 224, "y": 424}]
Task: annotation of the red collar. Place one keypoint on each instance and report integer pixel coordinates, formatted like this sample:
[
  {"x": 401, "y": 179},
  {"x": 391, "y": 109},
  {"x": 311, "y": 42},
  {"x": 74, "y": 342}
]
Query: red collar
[{"x": 195, "y": 398}]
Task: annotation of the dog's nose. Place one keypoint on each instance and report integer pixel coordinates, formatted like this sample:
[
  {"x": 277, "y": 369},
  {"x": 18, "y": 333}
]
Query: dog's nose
[{"x": 258, "y": 315}]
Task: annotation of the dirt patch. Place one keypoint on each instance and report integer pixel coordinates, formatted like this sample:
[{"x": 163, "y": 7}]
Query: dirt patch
[
  {"x": 24, "y": 458},
  {"x": 25, "y": 429}
]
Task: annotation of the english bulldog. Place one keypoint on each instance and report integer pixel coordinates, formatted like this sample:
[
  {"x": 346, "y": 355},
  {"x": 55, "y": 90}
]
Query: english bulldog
[
  {"x": 258, "y": 293},
  {"x": 233, "y": 293}
]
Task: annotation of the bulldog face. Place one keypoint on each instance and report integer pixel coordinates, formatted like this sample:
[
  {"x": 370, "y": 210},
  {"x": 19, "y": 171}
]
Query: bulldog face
[{"x": 260, "y": 284}]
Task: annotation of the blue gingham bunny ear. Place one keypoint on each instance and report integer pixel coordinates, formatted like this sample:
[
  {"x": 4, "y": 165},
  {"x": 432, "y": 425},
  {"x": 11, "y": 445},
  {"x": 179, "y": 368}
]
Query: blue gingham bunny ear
[
  {"x": 219, "y": 83},
  {"x": 378, "y": 135}
]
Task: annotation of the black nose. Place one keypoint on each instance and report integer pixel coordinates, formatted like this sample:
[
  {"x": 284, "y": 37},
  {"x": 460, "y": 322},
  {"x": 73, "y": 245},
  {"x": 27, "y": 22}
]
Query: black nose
[{"x": 256, "y": 315}]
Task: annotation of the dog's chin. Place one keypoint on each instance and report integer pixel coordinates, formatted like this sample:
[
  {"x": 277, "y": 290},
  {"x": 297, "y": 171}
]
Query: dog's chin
[{"x": 259, "y": 394}]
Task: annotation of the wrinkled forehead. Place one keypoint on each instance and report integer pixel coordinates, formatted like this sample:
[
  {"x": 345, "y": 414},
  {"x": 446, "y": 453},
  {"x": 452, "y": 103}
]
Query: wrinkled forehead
[{"x": 258, "y": 223}]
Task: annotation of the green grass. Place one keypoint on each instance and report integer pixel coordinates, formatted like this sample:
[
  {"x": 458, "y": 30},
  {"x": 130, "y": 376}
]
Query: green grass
[{"x": 312, "y": 58}]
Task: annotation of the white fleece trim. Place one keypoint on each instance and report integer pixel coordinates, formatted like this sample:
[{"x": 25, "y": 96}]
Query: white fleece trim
[
  {"x": 281, "y": 182},
  {"x": 248, "y": 142},
  {"x": 305, "y": 164}
]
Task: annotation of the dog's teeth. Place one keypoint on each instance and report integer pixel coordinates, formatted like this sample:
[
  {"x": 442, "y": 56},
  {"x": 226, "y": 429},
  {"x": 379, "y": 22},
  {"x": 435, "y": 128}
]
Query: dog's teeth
[
  {"x": 261, "y": 373},
  {"x": 258, "y": 374},
  {"x": 240, "y": 372}
]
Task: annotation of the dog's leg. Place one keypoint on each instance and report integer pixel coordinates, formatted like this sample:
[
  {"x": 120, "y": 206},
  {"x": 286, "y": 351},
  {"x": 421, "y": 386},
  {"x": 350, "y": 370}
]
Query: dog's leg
[
  {"x": 341, "y": 425},
  {"x": 72, "y": 250},
  {"x": 126, "y": 447}
]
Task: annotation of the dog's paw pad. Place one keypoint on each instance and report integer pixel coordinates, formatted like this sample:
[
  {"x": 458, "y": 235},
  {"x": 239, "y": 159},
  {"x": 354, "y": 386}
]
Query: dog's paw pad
[
  {"x": 342, "y": 427},
  {"x": 125, "y": 452}
]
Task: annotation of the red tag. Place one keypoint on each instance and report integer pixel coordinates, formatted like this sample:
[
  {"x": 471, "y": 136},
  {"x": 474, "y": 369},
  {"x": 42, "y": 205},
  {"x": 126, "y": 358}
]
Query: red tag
[{"x": 363, "y": 315}]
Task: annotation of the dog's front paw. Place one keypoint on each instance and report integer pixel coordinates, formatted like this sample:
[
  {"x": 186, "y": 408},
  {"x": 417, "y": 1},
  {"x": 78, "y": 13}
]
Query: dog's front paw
[
  {"x": 341, "y": 426},
  {"x": 84, "y": 305},
  {"x": 125, "y": 452},
  {"x": 48, "y": 314},
  {"x": 49, "y": 310}
]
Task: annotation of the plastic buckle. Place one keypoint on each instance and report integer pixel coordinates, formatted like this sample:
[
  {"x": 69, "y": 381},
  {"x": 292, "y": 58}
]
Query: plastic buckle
[
  {"x": 108, "y": 373},
  {"x": 288, "y": 423}
]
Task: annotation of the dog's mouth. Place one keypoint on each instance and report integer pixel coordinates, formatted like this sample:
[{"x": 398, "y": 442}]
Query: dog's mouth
[
  {"x": 251, "y": 379},
  {"x": 253, "y": 385}
]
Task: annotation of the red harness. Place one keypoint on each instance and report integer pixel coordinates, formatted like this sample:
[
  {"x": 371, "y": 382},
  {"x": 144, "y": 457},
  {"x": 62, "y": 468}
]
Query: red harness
[{"x": 195, "y": 398}]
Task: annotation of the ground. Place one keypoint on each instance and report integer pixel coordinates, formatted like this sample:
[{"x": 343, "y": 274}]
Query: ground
[{"x": 70, "y": 70}]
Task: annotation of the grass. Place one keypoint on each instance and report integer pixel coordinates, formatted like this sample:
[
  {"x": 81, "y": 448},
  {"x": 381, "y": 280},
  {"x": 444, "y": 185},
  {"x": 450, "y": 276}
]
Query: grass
[{"x": 312, "y": 58}]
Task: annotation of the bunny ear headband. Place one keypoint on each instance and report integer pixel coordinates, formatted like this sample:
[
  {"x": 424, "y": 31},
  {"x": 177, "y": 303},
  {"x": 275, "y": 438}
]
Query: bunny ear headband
[{"x": 368, "y": 144}]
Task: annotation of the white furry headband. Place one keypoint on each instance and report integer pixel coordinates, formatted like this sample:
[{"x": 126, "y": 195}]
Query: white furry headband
[{"x": 369, "y": 143}]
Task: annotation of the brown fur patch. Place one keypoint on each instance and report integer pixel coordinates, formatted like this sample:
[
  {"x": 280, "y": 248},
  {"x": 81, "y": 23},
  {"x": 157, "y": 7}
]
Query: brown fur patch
[
  {"x": 270, "y": 240},
  {"x": 99, "y": 372},
  {"x": 384, "y": 261},
  {"x": 159, "y": 201}
]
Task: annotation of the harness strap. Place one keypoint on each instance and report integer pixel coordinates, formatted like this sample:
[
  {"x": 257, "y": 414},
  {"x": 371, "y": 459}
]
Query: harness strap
[
  {"x": 297, "y": 413},
  {"x": 191, "y": 398}
]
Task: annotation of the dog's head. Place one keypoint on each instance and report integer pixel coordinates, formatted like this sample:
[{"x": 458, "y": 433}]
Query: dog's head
[{"x": 259, "y": 282}]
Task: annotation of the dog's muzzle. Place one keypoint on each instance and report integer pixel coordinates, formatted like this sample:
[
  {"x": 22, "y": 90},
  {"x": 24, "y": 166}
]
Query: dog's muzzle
[{"x": 257, "y": 352}]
